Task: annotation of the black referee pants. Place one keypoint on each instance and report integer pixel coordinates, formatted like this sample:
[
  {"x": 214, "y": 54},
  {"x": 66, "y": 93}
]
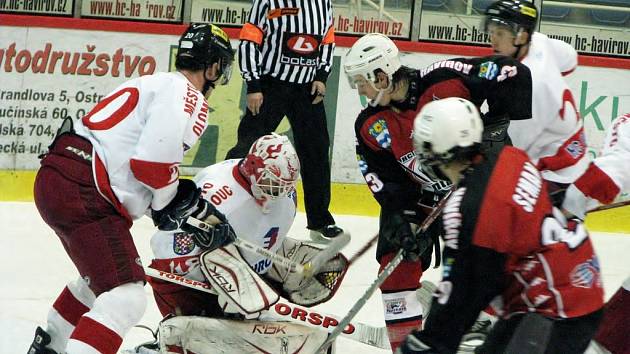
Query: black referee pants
[{"x": 310, "y": 138}]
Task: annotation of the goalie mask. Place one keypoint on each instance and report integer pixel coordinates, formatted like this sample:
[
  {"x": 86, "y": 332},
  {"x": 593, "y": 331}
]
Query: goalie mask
[
  {"x": 446, "y": 130},
  {"x": 272, "y": 168}
]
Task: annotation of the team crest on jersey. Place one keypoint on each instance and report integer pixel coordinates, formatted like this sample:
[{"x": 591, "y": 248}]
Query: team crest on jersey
[
  {"x": 271, "y": 237},
  {"x": 586, "y": 275},
  {"x": 577, "y": 148},
  {"x": 396, "y": 306},
  {"x": 488, "y": 70},
  {"x": 182, "y": 243},
  {"x": 378, "y": 130}
]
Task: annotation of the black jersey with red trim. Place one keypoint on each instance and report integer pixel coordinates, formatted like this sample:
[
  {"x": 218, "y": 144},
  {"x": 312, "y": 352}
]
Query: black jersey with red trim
[
  {"x": 503, "y": 237},
  {"x": 389, "y": 164},
  {"x": 503, "y": 82},
  {"x": 387, "y": 161}
]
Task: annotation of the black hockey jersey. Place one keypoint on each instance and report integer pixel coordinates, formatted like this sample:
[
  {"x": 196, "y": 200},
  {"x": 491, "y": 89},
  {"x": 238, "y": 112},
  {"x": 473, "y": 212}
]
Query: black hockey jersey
[
  {"x": 395, "y": 175},
  {"x": 502, "y": 237}
]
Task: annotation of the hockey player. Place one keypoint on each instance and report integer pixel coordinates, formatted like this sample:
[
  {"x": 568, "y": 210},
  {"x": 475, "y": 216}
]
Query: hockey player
[
  {"x": 503, "y": 237},
  {"x": 120, "y": 163},
  {"x": 554, "y": 137},
  {"x": 257, "y": 196},
  {"x": 606, "y": 177},
  {"x": 405, "y": 187}
]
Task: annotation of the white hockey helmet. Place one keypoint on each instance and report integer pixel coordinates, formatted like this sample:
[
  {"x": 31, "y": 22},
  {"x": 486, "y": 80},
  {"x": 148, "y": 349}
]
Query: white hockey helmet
[
  {"x": 447, "y": 129},
  {"x": 371, "y": 52},
  {"x": 272, "y": 168}
]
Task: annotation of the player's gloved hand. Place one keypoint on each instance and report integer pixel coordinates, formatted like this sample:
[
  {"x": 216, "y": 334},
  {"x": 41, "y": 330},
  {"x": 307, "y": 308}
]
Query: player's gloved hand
[
  {"x": 413, "y": 242},
  {"x": 416, "y": 344},
  {"x": 221, "y": 234},
  {"x": 187, "y": 202}
]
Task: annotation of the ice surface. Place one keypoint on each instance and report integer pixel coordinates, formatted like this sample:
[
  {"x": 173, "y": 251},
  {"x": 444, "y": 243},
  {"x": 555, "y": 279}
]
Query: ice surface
[{"x": 35, "y": 269}]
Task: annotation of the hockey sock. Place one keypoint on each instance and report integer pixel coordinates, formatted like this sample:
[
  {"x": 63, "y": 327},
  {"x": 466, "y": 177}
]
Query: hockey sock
[
  {"x": 611, "y": 334},
  {"x": 114, "y": 313},
  {"x": 74, "y": 301},
  {"x": 403, "y": 311}
]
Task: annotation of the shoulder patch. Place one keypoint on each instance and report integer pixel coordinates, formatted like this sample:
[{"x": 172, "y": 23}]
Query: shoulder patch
[
  {"x": 378, "y": 130},
  {"x": 183, "y": 243},
  {"x": 488, "y": 70}
]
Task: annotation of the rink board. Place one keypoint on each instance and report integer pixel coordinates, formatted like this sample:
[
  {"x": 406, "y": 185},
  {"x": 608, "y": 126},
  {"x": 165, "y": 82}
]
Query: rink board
[
  {"x": 58, "y": 88},
  {"x": 347, "y": 199}
]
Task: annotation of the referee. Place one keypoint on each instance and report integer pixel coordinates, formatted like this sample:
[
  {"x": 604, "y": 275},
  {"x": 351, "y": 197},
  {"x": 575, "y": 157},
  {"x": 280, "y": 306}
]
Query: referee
[{"x": 286, "y": 53}]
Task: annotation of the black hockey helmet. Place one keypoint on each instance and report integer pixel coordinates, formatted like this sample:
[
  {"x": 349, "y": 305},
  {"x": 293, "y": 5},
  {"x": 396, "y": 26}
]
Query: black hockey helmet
[
  {"x": 204, "y": 44},
  {"x": 515, "y": 14}
]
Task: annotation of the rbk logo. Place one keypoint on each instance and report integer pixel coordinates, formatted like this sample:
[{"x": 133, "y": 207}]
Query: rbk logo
[{"x": 303, "y": 44}]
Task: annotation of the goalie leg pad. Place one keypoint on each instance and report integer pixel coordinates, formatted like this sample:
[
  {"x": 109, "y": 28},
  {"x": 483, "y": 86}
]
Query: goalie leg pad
[
  {"x": 239, "y": 288},
  {"x": 202, "y": 335}
]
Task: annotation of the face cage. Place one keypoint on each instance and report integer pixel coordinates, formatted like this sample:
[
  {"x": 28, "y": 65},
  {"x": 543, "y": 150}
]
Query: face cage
[
  {"x": 272, "y": 186},
  {"x": 225, "y": 71},
  {"x": 432, "y": 159}
]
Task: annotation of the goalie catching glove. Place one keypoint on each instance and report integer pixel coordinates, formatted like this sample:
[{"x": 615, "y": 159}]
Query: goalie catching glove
[
  {"x": 303, "y": 290},
  {"x": 188, "y": 202}
]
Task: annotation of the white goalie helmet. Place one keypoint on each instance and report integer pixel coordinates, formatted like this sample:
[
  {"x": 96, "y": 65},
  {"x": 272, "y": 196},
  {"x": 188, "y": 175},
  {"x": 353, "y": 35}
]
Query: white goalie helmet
[
  {"x": 446, "y": 128},
  {"x": 272, "y": 168},
  {"x": 371, "y": 52}
]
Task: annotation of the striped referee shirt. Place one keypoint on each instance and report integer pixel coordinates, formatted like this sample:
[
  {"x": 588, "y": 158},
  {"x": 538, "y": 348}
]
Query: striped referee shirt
[{"x": 291, "y": 40}]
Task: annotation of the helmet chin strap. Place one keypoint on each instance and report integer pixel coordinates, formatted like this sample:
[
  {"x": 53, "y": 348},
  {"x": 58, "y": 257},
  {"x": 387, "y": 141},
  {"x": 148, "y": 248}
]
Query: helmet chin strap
[
  {"x": 377, "y": 99},
  {"x": 518, "y": 50},
  {"x": 517, "y": 46},
  {"x": 209, "y": 83},
  {"x": 381, "y": 92}
]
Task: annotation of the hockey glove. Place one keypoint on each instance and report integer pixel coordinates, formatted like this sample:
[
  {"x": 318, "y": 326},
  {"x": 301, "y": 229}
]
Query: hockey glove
[
  {"x": 413, "y": 242},
  {"x": 187, "y": 202},
  {"x": 220, "y": 235},
  {"x": 417, "y": 343}
]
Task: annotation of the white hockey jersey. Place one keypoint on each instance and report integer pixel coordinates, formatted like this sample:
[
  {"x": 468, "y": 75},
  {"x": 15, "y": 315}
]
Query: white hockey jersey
[
  {"x": 554, "y": 137},
  {"x": 607, "y": 176},
  {"x": 139, "y": 133},
  {"x": 224, "y": 186}
]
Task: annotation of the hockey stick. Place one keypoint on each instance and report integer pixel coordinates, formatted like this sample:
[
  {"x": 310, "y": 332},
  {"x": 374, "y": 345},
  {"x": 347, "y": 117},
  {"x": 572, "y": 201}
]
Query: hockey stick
[
  {"x": 281, "y": 311},
  {"x": 609, "y": 206},
  {"x": 363, "y": 249},
  {"x": 426, "y": 221},
  {"x": 308, "y": 269},
  {"x": 385, "y": 273}
]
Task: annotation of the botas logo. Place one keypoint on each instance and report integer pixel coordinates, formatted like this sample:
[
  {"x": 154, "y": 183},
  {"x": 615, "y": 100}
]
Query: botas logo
[{"x": 302, "y": 44}]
